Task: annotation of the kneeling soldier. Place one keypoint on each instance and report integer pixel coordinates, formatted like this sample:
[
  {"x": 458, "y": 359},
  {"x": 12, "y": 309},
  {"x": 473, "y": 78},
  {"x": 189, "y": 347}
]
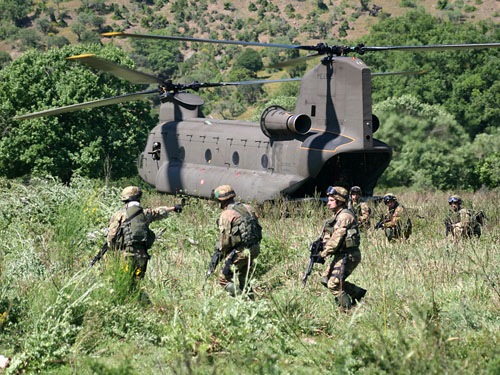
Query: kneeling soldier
[
  {"x": 239, "y": 238},
  {"x": 397, "y": 223},
  {"x": 342, "y": 241}
]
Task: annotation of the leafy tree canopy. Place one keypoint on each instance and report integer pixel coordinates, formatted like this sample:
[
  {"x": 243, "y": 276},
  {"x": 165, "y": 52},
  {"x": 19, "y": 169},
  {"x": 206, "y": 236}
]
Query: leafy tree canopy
[
  {"x": 94, "y": 142},
  {"x": 466, "y": 81}
]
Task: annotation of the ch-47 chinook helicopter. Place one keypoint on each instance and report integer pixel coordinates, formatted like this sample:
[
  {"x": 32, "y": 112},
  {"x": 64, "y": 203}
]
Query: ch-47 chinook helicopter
[{"x": 327, "y": 141}]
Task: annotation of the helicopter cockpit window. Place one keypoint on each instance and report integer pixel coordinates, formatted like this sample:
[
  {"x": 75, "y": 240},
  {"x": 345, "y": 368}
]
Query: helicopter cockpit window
[
  {"x": 156, "y": 151},
  {"x": 208, "y": 155},
  {"x": 264, "y": 161},
  {"x": 236, "y": 158}
]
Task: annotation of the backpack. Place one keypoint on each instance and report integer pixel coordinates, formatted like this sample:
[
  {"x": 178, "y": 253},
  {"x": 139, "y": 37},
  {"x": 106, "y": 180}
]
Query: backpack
[
  {"x": 247, "y": 231},
  {"x": 135, "y": 229}
]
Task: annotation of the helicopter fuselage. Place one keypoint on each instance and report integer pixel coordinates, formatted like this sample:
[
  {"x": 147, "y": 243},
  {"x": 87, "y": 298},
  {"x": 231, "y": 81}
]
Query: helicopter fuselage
[{"x": 192, "y": 154}]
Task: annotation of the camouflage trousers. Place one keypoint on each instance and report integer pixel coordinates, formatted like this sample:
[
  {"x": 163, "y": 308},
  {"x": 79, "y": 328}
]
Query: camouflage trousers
[
  {"x": 333, "y": 278},
  {"x": 135, "y": 261},
  {"x": 239, "y": 262}
]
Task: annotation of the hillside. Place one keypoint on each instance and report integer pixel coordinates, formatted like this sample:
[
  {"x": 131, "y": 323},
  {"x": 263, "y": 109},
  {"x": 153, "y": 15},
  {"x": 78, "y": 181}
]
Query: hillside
[{"x": 48, "y": 23}]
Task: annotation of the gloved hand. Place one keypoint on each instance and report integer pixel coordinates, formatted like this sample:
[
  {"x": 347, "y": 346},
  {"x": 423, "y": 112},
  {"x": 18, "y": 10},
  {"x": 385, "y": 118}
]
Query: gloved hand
[{"x": 178, "y": 208}]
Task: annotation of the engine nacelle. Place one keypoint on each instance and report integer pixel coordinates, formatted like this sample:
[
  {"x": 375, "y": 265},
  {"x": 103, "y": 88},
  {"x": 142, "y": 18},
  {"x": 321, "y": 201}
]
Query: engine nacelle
[{"x": 276, "y": 121}]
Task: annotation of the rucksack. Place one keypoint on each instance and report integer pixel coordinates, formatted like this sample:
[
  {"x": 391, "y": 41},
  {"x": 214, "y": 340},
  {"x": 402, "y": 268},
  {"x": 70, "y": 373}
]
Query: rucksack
[
  {"x": 135, "y": 229},
  {"x": 247, "y": 230}
]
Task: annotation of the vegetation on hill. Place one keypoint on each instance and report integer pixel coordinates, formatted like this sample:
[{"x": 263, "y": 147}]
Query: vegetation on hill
[{"x": 432, "y": 304}]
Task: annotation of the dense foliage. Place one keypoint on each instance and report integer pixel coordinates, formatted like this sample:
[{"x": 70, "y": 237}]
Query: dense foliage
[
  {"x": 431, "y": 308},
  {"x": 102, "y": 142}
]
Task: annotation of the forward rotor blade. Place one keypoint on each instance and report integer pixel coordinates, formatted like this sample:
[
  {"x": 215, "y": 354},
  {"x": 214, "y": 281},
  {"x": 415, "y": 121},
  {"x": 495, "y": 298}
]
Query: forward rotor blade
[
  {"x": 443, "y": 47},
  {"x": 91, "y": 104},
  {"x": 119, "y": 71},
  {"x": 398, "y": 73},
  {"x": 188, "y": 39}
]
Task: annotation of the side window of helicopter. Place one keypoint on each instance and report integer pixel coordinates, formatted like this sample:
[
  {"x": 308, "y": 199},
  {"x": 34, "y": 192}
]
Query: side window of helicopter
[
  {"x": 182, "y": 154},
  {"x": 208, "y": 155},
  {"x": 156, "y": 151},
  {"x": 236, "y": 158},
  {"x": 313, "y": 111},
  {"x": 264, "y": 161}
]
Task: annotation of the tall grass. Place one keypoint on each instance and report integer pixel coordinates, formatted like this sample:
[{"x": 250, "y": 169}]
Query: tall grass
[{"x": 433, "y": 304}]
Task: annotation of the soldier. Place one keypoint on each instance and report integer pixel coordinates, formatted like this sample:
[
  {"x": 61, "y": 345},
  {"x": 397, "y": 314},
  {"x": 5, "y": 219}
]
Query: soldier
[
  {"x": 129, "y": 230},
  {"x": 342, "y": 241},
  {"x": 462, "y": 222},
  {"x": 240, "y": 235},
  {"x": 396, "y": 222},
  {"x": 359, "y": 208}
]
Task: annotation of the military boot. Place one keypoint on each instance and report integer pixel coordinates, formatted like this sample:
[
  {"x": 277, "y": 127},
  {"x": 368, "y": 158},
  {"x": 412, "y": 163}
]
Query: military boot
[
  {"x": 344, "y": 301},
  {"x": 358, "y": 296}
]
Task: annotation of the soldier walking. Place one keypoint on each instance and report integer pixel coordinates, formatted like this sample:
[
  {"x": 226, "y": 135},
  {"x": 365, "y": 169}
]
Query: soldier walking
[
  {"x": 129, "y": 230},
  {"x": 239, "y": 240},
  {"x": 342, "y": 241}
]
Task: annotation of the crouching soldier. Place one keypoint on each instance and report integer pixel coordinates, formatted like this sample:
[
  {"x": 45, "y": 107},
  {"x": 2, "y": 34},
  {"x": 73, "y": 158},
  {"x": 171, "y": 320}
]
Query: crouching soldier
[
  {"x": 463, "y": 222},
  {"x": 341, "y": 240},
  {"x": 396, "y": 223},
  {"x": 239, "y": 239},
  {"x": 129, "y": 230},
  {"x": 359, "y": 208}
]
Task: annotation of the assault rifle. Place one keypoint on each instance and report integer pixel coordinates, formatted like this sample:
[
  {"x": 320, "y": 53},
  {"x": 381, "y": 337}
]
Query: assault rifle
[
  {"x": 315, "y": 249},
  {"x": 212, "y": 265},
  {"x": 100, "y": 254},
  {"x": 381, "y": 222}
]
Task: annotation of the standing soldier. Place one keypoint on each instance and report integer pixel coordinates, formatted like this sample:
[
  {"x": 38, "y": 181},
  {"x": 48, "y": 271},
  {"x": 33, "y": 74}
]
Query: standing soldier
[
  {"x": 397, "y": 223},
  {"x": 239, "y": 238},
  {"x": 462, "y": 222},
  {"x": 129, "y": 230},
  {"x": 359, "y": 208},
  {"x": 342, "y": 241}
]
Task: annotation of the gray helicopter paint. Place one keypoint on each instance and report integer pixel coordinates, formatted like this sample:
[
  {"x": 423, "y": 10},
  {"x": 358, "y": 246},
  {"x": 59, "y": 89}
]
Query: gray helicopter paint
[{"x": 199, "y": 154}]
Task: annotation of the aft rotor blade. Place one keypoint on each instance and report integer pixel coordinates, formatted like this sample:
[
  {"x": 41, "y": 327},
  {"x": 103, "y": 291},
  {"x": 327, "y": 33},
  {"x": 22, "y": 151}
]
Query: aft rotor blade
[
  {"x": 133, "y": 76},
  {"x": 247, "y": 82},
  {"x": 443, "y": 47},
  {"x": 91, "y": 104},
  {"x": 201, "y": 40},
  {"x": 398, "y": 73},
  {"x": 294, "y": 61}
]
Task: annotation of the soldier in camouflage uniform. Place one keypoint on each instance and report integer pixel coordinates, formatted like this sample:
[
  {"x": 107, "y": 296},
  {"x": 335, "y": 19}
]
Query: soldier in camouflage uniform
[
  {"x": 462, "y": 222},
  {"x": 129, "y": 230},
  {"x": 239, "y": 240},
  {"x": 359, "y": 208},
  {"x": 341, "y": 240},
  {"x": 396, "y": 223}
]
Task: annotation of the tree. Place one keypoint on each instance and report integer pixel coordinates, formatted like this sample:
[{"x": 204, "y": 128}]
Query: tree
[
  {"x": 77, "y": 142},
  {"x": 250, "y": 59}
]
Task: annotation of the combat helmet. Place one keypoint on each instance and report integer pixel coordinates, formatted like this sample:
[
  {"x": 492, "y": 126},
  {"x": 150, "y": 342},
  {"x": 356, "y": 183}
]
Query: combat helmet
[
  {"x": 389, "y": 197},
  {"x": 223, "y": 193},
  {"x": 355, "y": 190},
  {"x": 131, "y": 193},
  {"x": 337, "y": 192},
  {"x": 454, "y": 199}
]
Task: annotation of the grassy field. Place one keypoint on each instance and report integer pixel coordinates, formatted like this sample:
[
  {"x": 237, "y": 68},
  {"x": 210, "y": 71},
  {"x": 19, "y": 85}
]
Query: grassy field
[{"x": 433, "y": 305}]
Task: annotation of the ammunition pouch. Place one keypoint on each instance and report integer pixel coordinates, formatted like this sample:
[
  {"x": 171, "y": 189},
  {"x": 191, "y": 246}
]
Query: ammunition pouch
[{"x": 352, "y": 238}]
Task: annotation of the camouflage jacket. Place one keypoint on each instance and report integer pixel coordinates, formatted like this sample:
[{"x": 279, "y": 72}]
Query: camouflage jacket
[
  {"x": 461, "y": 222},
  {"x": 363, "y": 213},
  {"x": 151, "y": 214},
  {"x": 227, "y": 225},
  {"x": 396, "y": 217},
  {"x": 336, "y": 231}
]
